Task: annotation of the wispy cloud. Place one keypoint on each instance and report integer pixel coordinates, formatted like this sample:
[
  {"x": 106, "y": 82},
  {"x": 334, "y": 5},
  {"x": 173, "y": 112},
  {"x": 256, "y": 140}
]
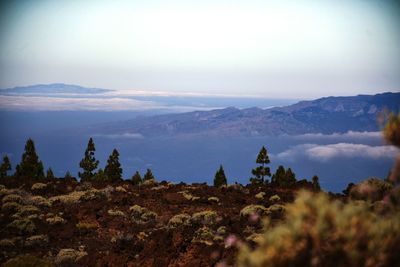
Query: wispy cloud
[
  {"x": 346, "y": 150},
  {"x": 120, "y": 136}
]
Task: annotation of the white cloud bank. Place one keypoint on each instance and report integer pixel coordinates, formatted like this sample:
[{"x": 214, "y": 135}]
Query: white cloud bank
[
  {"x": 349, "y": 134},
  {"x": 60, "y": 103},
  {"x": 345, "y": 150}
]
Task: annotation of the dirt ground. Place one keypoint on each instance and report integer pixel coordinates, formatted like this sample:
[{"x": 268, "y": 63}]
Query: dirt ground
[{"x": 73, "y": 224}]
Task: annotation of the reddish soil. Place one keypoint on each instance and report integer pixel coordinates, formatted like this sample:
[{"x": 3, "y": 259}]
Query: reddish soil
[{"x": 125, "y": 241}]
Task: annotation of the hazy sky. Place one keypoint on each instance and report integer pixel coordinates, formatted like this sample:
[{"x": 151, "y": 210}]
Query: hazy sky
[{"x": 297, "y": 49}]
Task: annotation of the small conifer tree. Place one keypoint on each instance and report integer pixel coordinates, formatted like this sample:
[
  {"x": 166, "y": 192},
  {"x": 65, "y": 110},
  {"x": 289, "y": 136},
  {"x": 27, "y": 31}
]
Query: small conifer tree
[
  {"x": 30, "y": 165},
  {"x": 113, "y": 170},
  {"x": 261, "y": 171},
  {"x": 136, "y": 178},
  {"x": 278, "y": 175},
  {"x": 100, "y": 176},
  {"x": 88, "y": 163},
  {"x": 315, "y": 183},
  {"x": 68, "y": 177},
  {"x": 50, "y": 174},
  {"x": 148, "y": 175},
  {"x": 5, "y": 167},
  {"x": 220, "y": 178}
]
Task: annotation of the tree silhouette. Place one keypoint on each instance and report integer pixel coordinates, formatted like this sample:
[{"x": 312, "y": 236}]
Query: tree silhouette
[
  {"x": 136, "y": 178},
  {"x": 220, "y": 178},
  {"x": 148, "y": 176},
  {"x": 315, "y": 183},
  {"x": 49, "y": 174},
  {"x": 30, "y": 165},
  {"x": 283, "y": 178},
  {"x": 261, "y": 171},
  {"x": 113, "y": 169},
  {"x": 88, "y": 163},
  {"x": 5, "y": 167}
]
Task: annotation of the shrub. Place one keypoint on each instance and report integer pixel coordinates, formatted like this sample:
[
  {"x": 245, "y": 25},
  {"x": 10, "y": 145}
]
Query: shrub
[
  {"x": 38, "y": 187},
  {"x": 180, "y": 219},
  {"x": 206, "y": 217},
  {"x": 37, "y": 240},
  {"x": 321, "y": 232},
  {"x": 12, "y": 198},
  {"x": 213, "y": 199},
  {"x": 10, "y": 207},
  {"x": 120, "y": 189},
  {"x": 204, "y": 235},
  {"x": 86, "y": 226},
  {"x": 252, "y": 209},
  {"x": 69, "y": 256},
  {"x": 372, "y": 189},
  {"x": 116, "y": 213},
  {"x": 142, "y": 214},
  {"x": 55, "y": 220},
  {"x": 188, "y": 196},
  {"x": 39, "y": 201},
  {"x": 260, "y": 195},
  {"x": 28, "y": 210},
  {"x": 23, "y": 226},
  {"x": 274, "y": 198},
  {"x": 27, "y": 261}
]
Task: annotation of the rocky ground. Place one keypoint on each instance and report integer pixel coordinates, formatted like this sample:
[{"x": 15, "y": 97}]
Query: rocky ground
[{"x": 58, "y": 223}]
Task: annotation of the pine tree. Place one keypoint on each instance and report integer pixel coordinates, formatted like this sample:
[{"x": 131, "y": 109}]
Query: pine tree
[
  {"x": 278, "y": 176},
  {"x": 5, "y": 167},
  {"x": 50, "y": 174},
  {"x": 68, "y": 177},
  {"x": 315, "y": 183},
  {"x": 220, "y": 178},
  {"x": 261, "y": 171},
  {"x": 136, "y": 178},
  {"x": 88, "y": 163},
  {"x": 100, "y": 176},
  {"x": 290, "y": 178},
  {"x": 113, "y": 170},
  {"x": 148, "y": 176},
  {"x": 30, "y": 165}
]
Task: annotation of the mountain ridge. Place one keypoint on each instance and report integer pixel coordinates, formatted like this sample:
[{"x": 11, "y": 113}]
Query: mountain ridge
[{"x": 324, "y": 115}]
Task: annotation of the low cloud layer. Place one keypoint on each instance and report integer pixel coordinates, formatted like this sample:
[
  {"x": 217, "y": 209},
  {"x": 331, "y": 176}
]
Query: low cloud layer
[
  {"x": 345, "y": 150},
  {"x": 60, "y": 103},
  {"x": 349, "y": 134}
]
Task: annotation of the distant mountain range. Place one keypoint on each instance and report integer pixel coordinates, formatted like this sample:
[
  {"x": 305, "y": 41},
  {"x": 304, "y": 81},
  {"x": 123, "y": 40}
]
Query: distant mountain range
[
  {"x": 325, "y": 115},
  {"x": 51, "y": 89}
]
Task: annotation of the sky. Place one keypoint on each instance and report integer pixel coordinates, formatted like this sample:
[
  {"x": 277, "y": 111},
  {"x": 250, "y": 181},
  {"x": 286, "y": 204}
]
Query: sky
[{"x": 272, "y": 49}]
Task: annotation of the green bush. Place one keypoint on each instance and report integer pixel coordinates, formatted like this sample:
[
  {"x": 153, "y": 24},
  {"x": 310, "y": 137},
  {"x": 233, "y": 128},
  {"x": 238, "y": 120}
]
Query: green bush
[
  {"x": 142, "y": 214},
  {"x": 23, "y": 226},
  {"x": 253, "y": 209},
  {"x": 274, "y": 198},
  {"x": 180, "y": 219},
  {"x": 321, "y": 232},
  {"x": 27, "y": 261},
  {"x": 206, "y": 217}
]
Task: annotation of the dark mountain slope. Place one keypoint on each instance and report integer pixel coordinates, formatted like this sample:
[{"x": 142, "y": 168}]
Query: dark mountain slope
[{"x": 324, "y": 115}]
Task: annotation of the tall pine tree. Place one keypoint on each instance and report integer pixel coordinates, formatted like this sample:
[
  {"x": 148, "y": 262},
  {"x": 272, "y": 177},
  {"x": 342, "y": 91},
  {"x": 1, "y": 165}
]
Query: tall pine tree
[
  {"x": 5, "y": 167},
  {"x": 113, "y": 169},
  {"x": 30, "y": 165},
  {"x": 88, "y": 163},
  {"x": 315, "y": 183},
  {"x": 261, "y": 171},
  {"x": 136, "y": 178},
  {"x": 220, "y": 178}
]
